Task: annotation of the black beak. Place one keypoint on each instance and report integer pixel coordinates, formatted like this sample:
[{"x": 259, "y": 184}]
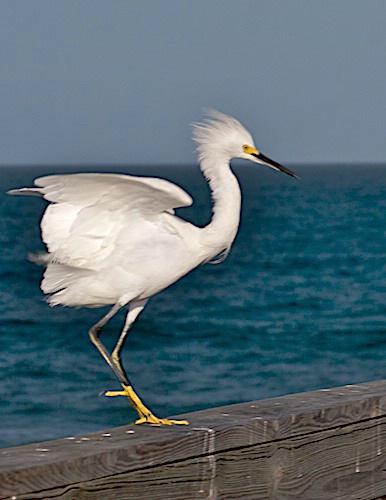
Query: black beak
[{"x": 275, "y": 165}]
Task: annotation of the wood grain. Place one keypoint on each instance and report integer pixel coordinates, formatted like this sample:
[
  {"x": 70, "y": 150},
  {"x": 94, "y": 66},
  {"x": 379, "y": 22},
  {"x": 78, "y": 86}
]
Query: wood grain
[{"x": 318, "y": 445}]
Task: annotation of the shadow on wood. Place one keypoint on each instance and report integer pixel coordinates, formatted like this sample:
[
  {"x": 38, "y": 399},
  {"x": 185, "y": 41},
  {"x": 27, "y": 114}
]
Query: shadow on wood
[{"x": 327, "y": 444}]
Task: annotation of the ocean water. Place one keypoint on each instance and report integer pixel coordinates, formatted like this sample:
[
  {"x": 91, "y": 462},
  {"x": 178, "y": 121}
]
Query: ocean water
[{"x": 298, "y": 305}]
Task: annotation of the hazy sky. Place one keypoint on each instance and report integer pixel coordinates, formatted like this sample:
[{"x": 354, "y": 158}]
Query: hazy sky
[{"x": 119, "y": 81}]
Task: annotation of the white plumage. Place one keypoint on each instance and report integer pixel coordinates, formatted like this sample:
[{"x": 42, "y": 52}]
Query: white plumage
[
  {"x": 97, "y": 232},
  {"x": 114, "y": 239}
]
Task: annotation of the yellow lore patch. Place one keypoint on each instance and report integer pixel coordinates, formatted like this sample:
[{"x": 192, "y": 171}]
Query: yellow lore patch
[{"x": 250, "y": 150}]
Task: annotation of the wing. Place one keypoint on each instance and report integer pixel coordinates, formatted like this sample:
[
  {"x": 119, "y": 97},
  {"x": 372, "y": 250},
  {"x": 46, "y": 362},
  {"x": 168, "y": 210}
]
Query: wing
[
  {"x": 149, "y": 194},
  {"x": 89, "y": 210}
]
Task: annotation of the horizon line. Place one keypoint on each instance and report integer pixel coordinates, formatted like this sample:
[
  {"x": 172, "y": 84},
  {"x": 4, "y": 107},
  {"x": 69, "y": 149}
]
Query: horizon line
[{"x": 339, "y": 163}]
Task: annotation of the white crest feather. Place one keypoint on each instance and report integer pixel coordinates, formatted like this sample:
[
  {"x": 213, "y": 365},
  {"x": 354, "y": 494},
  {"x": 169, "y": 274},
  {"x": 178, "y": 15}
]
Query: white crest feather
[{"x": 220, "y": 133}]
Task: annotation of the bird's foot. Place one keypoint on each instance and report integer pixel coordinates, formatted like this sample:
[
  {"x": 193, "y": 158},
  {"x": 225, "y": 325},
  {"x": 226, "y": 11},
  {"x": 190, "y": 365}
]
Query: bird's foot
[
  {"x": 145, "y": 415},
  {"x": 150, "y": 418}
]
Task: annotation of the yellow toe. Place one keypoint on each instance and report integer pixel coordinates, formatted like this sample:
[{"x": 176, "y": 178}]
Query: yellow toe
[
  {"x": 153, "y": 420},
  {"x": 115, "y": 393},
  {"x": 145, "y": 415}
]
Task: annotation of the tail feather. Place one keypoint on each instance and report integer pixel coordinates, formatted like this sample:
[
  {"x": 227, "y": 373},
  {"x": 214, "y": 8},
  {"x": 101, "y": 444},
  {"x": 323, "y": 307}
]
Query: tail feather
[{"x": 59, "y": 276}]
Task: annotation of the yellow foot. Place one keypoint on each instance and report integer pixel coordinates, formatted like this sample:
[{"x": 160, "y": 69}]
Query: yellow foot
[
  {"x": 152, "y": 419},
  {"x": 146, "y": 416}
]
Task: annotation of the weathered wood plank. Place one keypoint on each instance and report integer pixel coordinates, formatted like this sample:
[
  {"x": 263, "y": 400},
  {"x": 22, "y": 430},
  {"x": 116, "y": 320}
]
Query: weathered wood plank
[
  {"x": 322, "y": 444},
  {"x": 294, "y": 468}
]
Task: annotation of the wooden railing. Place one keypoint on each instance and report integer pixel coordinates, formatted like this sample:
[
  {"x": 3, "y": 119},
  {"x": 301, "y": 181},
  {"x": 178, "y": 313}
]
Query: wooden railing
[{"x": 327, "y": 444}]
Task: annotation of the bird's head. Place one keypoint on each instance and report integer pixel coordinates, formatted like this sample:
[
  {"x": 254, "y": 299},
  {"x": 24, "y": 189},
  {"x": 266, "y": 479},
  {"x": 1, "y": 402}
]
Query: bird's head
[{"x": 222, "y": 137}]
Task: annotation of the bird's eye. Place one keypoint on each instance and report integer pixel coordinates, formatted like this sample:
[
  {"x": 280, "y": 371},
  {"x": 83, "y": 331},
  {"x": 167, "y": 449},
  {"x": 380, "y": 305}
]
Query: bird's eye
[{"x": 246, "y": 148}]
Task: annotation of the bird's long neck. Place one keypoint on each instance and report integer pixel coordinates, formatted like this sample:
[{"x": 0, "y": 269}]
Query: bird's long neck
[{"x": 219, "y": 234}]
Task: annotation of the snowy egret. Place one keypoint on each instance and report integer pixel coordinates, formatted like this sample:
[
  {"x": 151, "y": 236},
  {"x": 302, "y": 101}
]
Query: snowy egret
[{"x": 114, "y": 240}]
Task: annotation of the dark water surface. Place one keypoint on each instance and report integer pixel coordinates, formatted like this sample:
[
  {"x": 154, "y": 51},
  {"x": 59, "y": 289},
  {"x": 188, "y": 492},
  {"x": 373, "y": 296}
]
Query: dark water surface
[{"x": 298, "y": 305}]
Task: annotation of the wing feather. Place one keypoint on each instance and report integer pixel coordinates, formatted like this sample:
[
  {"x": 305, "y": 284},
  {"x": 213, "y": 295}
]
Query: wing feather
[
  {"x": 149, "y": 194},
  {"x": 88, "y": 212}
]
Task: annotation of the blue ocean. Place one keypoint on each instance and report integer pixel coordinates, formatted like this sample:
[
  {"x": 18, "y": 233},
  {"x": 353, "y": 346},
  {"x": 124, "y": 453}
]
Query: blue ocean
[{"x": 298, "y": 305}]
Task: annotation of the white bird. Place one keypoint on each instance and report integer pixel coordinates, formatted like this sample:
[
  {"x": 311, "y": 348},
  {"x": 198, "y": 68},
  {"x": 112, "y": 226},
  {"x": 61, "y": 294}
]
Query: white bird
[{"x": 115, "y": 240}]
